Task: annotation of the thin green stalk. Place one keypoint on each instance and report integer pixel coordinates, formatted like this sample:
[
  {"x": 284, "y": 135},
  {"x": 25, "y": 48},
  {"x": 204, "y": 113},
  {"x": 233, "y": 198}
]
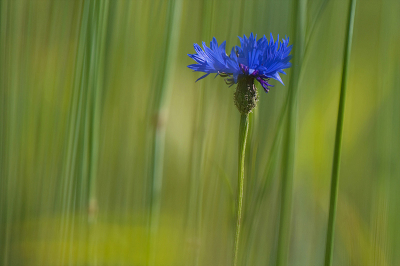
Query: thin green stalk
[
  {"x": 338, "y": 138},
  {"x": 96, "y": 85},
  {"x": 243, "y": 129},
  {"x": 290, "y": 136},
  {"x": 270, "y": 166},
  {"x": 173, "y": 28},
  {"x": 197, "y": 154},
  {"x": 74, "y": 121}
]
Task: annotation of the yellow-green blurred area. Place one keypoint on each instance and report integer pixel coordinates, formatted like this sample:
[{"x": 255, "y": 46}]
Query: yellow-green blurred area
[{"x": 112, "y": 154}]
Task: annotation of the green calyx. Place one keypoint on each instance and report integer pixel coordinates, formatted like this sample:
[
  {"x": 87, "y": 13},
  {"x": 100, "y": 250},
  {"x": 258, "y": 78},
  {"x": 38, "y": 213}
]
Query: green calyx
[{"x": 246, "y": 96}]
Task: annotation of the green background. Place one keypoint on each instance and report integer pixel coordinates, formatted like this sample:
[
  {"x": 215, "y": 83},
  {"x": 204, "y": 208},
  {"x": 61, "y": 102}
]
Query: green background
[{"x": 111, "y": 154}]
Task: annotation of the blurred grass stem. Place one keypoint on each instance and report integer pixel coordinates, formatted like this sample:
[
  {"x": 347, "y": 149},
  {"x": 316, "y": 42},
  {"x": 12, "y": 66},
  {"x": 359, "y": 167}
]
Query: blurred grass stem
[
  {"x": 243, "y": 129},
  {"x": 338, "y": 138},
  {"x": 299, "y": 24},
  {"x": 173, "y": 28}
]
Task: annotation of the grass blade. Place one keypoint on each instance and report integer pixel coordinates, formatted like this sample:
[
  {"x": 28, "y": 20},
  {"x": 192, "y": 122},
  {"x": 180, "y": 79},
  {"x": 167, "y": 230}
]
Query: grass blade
[
  {"x": 175, "y": 13},
  {"x": 338, "y": 138},
  {"x": 289, "y": 138}
]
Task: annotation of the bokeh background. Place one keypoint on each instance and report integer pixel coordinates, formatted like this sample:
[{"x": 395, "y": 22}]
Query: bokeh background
[{"x": 111, "y": 154}]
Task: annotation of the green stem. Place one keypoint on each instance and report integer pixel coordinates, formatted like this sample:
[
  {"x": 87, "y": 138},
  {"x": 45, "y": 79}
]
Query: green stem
[
  {"x": 173, "y": 28},
  {"x": 289, "y": 139},
  {"x": 338, "y": 139},
  {"x": 243, "y": 129}
]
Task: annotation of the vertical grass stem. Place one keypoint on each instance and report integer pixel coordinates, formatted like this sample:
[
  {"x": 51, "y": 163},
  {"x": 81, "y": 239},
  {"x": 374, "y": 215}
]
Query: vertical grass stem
[
  {"x": 173, "y": 28},
  {"x": 289, "y": 139},
  {"x": 338, "y": 139}
]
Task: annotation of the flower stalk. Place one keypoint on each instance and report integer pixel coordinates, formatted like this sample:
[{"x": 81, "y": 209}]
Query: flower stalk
[
  {"x": 259, "y": 60},
  {"x": 243, "y": 129}
]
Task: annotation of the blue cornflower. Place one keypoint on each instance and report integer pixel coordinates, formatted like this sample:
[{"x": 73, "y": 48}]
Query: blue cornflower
[{"x": 255, "y": 59}]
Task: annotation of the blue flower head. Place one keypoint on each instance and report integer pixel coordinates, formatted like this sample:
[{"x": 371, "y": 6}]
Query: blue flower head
[{"x": 255, "y": 59}]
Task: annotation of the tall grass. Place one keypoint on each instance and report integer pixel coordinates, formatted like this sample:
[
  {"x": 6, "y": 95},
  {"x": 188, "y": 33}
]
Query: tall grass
[
  {"x": 162, "y": 106},
  {"x": 197, "y": 153},
  {"x": 299, "y": 26},
  {"x": 338, "y": 137},
  {"x": 90, "y": 176}
]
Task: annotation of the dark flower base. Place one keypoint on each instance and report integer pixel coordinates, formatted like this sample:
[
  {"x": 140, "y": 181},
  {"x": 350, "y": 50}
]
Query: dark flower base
[{"x": 246, "y": 96}]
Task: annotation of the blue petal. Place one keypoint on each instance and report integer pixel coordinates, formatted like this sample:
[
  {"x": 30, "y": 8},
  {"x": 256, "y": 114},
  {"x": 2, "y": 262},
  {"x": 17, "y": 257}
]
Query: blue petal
[
  {"x": 277, "y": 77},
  {"x": 202, "y": 77},
  {"x": 213, "y": 59},
  {"x": 261, "y": 58}
]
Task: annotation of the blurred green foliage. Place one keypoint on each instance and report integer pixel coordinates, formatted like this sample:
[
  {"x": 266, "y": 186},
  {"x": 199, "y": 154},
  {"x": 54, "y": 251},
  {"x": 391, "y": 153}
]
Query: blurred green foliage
[{"x": 81, "y": 85}]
